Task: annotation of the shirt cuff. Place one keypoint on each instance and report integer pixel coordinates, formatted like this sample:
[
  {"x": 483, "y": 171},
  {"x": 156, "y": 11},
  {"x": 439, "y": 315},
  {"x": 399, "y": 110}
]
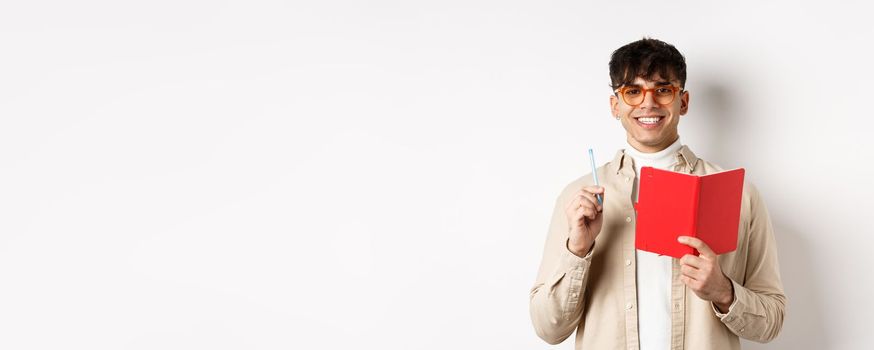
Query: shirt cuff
[
  {"x": 573, "y": 270},
  {"x": 730, "y": 307},
  {"x": 570, "y": 262},
  {"x": 588, "y": 255},
  {"x": 732, "y": 317}
]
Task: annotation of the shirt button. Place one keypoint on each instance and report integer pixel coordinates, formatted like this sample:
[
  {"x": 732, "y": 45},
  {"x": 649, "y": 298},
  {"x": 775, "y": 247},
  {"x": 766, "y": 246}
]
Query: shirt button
[
  {"x": 627, "y": 179},
  {"x": 627, "y": 219},
  {"x": 742, "y": 330},
  {"x": 574, "y": 295},
  {"x": 627, "y": 262},
  {"x": 677, "y": 306},
  {"x": 628, "y": 306}
]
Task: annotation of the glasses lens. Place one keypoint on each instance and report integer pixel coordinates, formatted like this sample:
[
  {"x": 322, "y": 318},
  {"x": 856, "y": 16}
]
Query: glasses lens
[
  {"x": 632, "y": 95},
  {"x": 663, "y": 95}
]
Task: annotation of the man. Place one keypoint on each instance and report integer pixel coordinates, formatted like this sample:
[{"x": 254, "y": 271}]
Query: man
[{"x": 594, "y": 281}]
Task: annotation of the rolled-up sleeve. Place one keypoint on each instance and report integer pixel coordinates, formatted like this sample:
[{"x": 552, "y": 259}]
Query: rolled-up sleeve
[
  {"x": 759, "y": 306},
  {"x": 556, "y": 300}
]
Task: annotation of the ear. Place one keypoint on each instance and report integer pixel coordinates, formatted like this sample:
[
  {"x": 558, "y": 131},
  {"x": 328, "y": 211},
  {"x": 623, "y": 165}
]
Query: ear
[
  {"x": 614, "y": 106},
  {"x": 684, "y": 103}
]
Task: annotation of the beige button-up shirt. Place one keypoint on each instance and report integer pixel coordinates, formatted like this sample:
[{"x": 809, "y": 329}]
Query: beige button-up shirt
[{"x": 596, "y": 295}]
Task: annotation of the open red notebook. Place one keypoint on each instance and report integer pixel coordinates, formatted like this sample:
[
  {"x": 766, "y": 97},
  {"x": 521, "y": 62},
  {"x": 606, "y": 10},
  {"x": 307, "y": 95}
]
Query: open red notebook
[{"x": 672, "y": 204}]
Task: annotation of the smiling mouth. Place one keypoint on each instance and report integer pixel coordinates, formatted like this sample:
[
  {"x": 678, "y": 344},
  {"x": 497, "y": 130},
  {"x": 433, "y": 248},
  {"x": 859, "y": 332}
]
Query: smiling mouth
[{"x": 650, "y": 121}]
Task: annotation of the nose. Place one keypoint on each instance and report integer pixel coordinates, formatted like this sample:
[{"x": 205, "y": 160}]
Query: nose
[{"x": 648, "y": 100}]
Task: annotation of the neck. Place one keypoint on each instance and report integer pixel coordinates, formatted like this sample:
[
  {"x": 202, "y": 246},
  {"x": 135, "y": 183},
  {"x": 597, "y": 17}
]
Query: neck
[
  {"x": 650, "y": 149},
  {"x": 654, "y": 152}
]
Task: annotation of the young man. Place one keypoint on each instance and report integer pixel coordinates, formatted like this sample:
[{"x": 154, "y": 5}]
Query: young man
[{"x": 594, "y": 281}]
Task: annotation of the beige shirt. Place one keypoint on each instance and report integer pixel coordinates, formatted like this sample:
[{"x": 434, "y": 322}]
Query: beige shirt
[
  {"x": 653, "y": 270},
  {"x": 596, "y": 295}
]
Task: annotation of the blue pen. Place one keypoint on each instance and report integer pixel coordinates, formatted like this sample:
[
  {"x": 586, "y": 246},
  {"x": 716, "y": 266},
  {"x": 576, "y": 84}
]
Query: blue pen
[{"x": 595, "y": 174}]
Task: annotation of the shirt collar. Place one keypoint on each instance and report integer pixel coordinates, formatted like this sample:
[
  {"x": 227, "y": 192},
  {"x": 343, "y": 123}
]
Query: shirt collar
[{"x": 685, "y": 158}]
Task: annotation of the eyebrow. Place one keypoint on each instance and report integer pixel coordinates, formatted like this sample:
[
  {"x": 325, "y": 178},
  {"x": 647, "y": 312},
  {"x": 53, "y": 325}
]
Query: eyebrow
[{"x": 658, "y": 83}]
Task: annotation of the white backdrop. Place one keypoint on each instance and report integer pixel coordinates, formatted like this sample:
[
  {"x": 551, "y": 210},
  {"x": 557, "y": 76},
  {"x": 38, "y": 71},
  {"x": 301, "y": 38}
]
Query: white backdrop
[{"x": 380, "y": 174}]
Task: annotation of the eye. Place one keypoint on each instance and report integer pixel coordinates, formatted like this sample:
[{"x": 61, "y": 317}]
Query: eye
[
  {"x": 632, "y": 91},
  {"x": 664, "y": 91}
]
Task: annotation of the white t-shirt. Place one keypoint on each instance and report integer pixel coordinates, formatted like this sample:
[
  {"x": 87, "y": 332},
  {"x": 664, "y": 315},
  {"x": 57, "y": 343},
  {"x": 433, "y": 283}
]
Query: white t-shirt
[{"x": 653, "y": 270}]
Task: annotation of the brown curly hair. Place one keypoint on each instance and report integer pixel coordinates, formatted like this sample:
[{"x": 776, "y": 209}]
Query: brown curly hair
[{"x": 646, "y": 58}]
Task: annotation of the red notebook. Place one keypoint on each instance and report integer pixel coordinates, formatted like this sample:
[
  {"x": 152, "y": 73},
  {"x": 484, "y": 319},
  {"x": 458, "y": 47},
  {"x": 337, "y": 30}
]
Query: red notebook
[{"x": 672, "y": 204}]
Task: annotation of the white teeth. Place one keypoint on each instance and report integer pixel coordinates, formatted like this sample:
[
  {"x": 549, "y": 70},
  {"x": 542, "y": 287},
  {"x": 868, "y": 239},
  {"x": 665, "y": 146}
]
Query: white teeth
[{"x": 649, "y": 120}]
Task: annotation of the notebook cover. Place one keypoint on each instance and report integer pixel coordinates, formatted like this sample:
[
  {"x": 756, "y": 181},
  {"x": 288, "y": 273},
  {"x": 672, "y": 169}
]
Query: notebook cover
[
  {"x": 672, "y": 204},
  {"x": 719, "y": 209}
]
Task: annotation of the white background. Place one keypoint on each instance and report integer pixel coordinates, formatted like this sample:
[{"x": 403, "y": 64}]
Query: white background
[{"x": 380, "y": 174}]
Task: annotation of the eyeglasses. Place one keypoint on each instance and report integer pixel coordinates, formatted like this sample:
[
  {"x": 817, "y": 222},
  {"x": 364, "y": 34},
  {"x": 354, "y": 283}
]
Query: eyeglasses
[{"x": 634, "y": 95}]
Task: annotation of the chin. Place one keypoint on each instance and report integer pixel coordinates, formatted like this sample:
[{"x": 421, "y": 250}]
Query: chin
[{"x": 648, "y": 142}]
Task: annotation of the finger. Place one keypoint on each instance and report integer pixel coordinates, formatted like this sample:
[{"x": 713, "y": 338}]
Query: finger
[
  {"x": 582, "y": 213},
  {"x": 578, "y": 214},
  {"x": 688, "y": 281},
  {"x": 589, "y": 201},
  {"x": 685, "y": 280},
  {"x": 587, "y": 212},
  {"x": 692, "y": 261},
  {"x": 690, "y": 272},
  {"x": 573, "y": 204},
  {"x": 573, "y": 207},
  {"x": 594, "y": 189},
  {"x": 698, "y": 244},
  {"x": 590, "y": 197}
]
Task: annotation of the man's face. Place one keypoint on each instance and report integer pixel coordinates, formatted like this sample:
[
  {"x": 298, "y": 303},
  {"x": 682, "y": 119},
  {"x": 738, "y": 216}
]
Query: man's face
[{"x": 645, "y": 133}]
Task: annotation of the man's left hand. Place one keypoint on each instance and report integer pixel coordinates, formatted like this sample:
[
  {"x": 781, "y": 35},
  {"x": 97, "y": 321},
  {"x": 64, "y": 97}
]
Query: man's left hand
[{"x": 704, "y": 276}]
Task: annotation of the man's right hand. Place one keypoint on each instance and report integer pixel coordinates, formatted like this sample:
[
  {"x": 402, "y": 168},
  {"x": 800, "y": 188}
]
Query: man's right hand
[{"x": 584, "y": 219}]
